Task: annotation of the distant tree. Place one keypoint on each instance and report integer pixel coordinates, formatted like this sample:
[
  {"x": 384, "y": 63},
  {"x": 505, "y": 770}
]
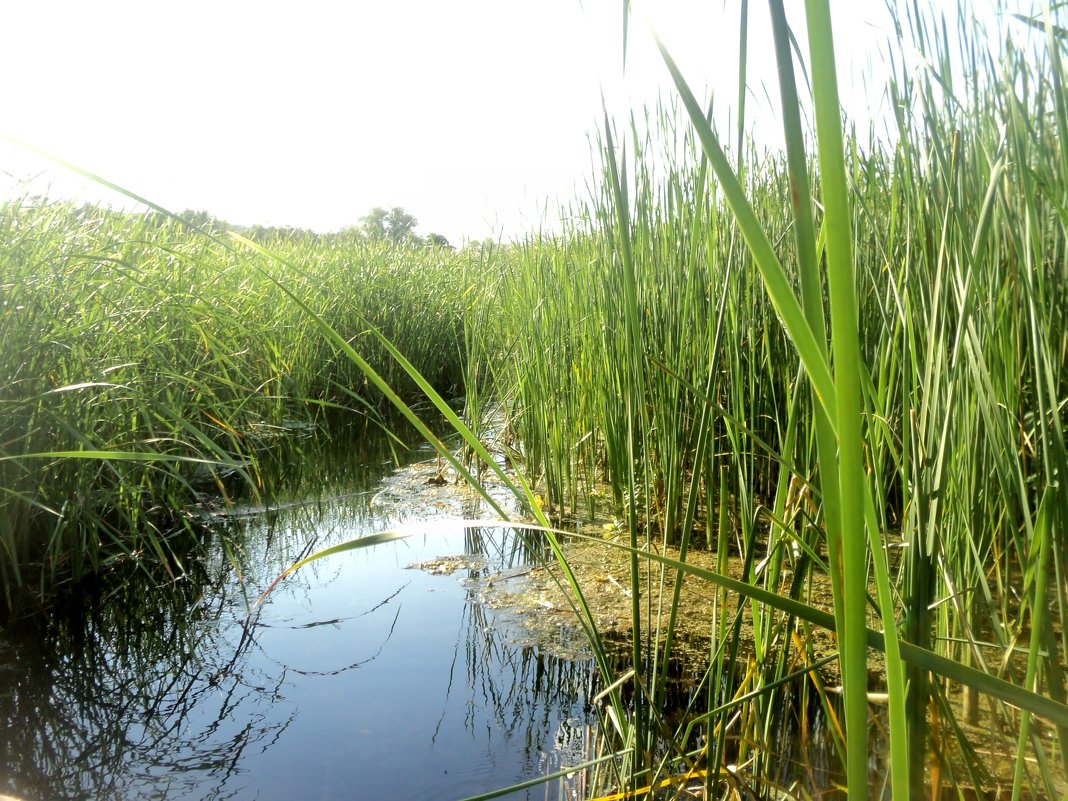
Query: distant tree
[
  {"x": 436, "y": 241},
  {"x": 401, "y": 224},
  {"x": 396, "y": 225},
  {"x": 373, "y": 224}
]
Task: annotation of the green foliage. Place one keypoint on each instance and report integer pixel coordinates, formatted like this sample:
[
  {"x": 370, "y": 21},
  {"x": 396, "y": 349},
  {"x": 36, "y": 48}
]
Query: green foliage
[
  {"x": 146, "y": 366},
  {"x": 396, "y": 225},
  {"x": 683, "y": 310},
  {"x": 672, "y": 346}
]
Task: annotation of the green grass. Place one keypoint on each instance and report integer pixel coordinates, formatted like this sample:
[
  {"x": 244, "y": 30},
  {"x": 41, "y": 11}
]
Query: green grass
[
  {"x": 846, "y": 359},
  {"x": 146, "y": 365},
  {"x": 917, "y": 291}
]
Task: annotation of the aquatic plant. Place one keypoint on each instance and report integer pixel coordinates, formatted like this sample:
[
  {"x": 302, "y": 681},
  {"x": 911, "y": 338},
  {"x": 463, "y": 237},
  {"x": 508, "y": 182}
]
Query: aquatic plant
[
  {"x": 843, "y": 364},
  {"x": 908, "y": 447},
  {"x": 933, "y": 425},
  {"x": 147, "y": 366}
]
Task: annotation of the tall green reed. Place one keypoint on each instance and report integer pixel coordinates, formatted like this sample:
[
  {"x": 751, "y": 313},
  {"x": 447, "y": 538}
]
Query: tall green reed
[
  {"x": 942, "y": 252},
  {"x": 675, "y": 350},
  {"x": 146, "y": 367}
]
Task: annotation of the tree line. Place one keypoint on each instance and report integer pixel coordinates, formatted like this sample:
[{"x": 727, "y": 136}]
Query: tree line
[{"x": 395, "y": 225}]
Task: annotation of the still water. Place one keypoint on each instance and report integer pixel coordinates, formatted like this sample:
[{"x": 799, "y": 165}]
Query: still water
[{"x": 358, "y": 678}]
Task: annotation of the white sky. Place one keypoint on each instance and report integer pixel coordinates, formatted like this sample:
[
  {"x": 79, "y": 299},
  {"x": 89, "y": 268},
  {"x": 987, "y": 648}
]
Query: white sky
[{"x": 472, "y": 114}]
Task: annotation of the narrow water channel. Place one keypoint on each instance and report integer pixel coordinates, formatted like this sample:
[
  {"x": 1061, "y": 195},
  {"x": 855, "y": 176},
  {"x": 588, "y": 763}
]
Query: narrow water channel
[{"x": 358, "y": 678}]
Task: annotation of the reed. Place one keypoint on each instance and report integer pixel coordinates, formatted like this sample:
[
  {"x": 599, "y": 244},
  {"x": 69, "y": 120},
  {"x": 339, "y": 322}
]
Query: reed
[
  {"x": 148, "y": 366},
  {"x": 844, "y": 364},
  {"x": 669, "y": 345}
]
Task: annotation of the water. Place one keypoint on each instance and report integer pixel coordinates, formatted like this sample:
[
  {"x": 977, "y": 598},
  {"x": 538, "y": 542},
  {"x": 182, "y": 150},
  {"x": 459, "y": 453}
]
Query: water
[{"x": 357, "y": 678}]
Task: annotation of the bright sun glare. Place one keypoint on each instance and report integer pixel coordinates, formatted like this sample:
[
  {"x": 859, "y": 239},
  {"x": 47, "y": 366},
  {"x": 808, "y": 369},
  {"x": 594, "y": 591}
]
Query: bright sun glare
[{"x": 474, "y": 116}]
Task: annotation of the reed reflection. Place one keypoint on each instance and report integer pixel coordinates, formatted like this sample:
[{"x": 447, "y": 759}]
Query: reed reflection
[{"x": 170, "y": 689}]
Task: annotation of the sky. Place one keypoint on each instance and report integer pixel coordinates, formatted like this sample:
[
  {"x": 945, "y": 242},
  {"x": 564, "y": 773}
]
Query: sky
[{"x": 474, "y": 115}]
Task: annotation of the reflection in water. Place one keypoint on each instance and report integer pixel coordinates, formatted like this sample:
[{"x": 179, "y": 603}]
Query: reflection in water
[
  {"x": 145, "y": 685},
  {"x": 357, "y": 678}
]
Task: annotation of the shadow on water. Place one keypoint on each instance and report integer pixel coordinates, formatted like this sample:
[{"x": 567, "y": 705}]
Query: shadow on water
[{"x": 357, "y": 678}]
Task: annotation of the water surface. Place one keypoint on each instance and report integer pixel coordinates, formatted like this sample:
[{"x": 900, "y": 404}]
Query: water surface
[{"x": 357, "y": 678}]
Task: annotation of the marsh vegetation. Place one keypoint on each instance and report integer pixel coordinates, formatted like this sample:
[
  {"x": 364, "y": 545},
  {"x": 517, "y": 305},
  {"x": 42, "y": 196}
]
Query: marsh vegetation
[{"x": 835, "y": 369}]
